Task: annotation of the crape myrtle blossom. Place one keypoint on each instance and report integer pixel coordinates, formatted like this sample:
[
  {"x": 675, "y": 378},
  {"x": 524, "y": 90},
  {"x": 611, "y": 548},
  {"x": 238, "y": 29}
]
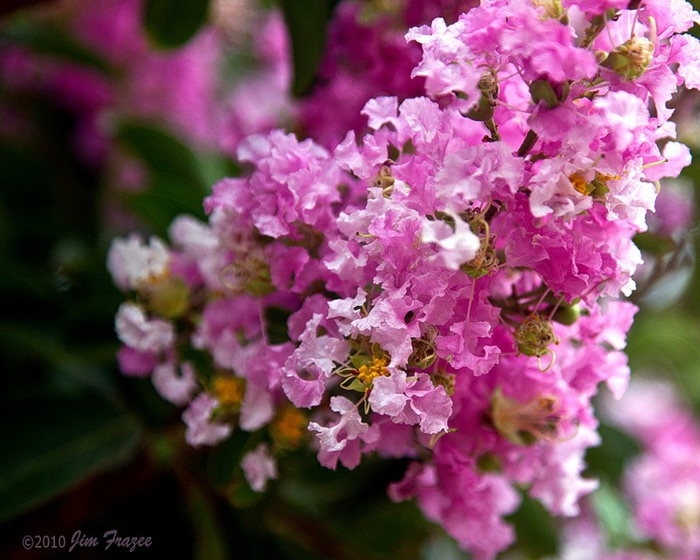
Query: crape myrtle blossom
[
  {"x": 662, "y": 483},
  {"x": 259, "y": 467},
  {"x": 444, "y": 286}
]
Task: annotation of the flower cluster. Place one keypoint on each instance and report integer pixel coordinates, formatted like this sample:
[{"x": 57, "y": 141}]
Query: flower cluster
[
  {"x": 661, "y": 484},
  {"x": 445, "y": 287}
]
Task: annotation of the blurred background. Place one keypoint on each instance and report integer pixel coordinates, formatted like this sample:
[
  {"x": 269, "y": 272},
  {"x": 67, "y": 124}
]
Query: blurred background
[{"x": 116, "y": 116}]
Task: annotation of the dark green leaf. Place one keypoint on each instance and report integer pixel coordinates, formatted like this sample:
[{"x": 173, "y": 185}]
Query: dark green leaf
[
  {"x": 55, "y": 442},
  {"x": 611, "y": 457},
  {"x": 276, "y": 325},
  {"x": 209, "y": 537},
  {"x": 536, "y": 531},
  {"x": 176, "y": 182},
  {"x": 165, "y": 198},
  {"x": 45, "y": 38},
  {"x": 307, "y": 21},
  {"x": 224, "y": 459},
  {"x": 162, "y": 153},
  {"x": 30, "y": 339},
  {"x": 171, "y": 23},
  {"x": 657, "y": 245}
]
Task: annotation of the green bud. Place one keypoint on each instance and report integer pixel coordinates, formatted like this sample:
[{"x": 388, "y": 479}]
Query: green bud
[
  {"x": 488, "y": 86},
  {"x": 542, "y": 90},
  {"x": 567, "y": 314},
  {"x": 167, "y": 297},
  {"x": 483, "y": 111},
  {"x": 489, "y": 463},
  {"x": 534, "y": 335},
  {"x": 630, "y": 59}
]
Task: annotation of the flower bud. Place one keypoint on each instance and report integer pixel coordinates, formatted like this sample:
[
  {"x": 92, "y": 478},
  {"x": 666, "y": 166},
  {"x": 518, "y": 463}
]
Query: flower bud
[
  {"x": 166, "y": 296},
  {"x": 567, "y": 314},
  {"x": 631, "y": 58},
  {"x": 488, "y": 86},
  {"x": 534, "y": 335}
]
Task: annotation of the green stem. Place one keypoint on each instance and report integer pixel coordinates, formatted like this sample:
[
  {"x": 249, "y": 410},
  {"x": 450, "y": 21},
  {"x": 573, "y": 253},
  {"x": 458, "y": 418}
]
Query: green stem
[
  {"x": 528, "y": 142},
  {"x": 493, "y": 129}
]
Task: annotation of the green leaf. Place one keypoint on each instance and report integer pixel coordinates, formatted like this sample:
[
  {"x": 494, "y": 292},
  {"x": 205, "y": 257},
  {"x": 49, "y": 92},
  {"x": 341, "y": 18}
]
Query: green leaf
[
  {"x": 224, "y": 459},
  {"x": 210, "y": 543},
  {"x": 613, "y": 515},
  {"x": 46, "y": 38},
  {"x": 668, "y": 344},
  {"x": 55, "y": 441},
  {"x": 276, "y": 324},
  {"x": 176, "y": 186},
  {"x": 654, "y": 243},
  {"x": 536, "y": 530},
  {"x": 307, "y": 22},
  {"x": 162, "y": 152},
  {"x": 165, "y": 198},
  {"x": 171, "y": 23},
  {"x": 611, "y": 457}
]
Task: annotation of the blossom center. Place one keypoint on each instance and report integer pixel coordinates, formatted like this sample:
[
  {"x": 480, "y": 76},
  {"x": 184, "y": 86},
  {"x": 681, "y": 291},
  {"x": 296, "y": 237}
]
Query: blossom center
[
  {"x": 366, "y": 373},
  {"x": 164, "y": 295},
  {"x": 289, "y": 427},
  {"x": 597, "y": 188},
  {"x": 534, "y": 335},
  {"x": 250, "y": 274},
  {"x": 525, "y": 423},
  {"x": 631, "y": 58},
  {"x": 229, "y": 390}
]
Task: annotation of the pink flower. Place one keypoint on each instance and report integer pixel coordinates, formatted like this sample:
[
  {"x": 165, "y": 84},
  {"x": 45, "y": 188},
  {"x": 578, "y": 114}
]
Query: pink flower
[
  {"x": 141, "y": 333},
  {"x": 257, "y": 408},
  {"x": 455, "y": 246},
  {"x": 446, "y": 64},
  {"x": 131, "y": 262},
  {"x": 201, "y": 429},
  {"x": 294, "y": 181},
  {"x": 311, "y": 364},
  {"x": 468, "y": 505},
  {"x": 411, "y": 401},
  {"x": 341, "y": 440},
  {"x": 686, "y": 50},
  {"x": 259, "y": 467},
  {"x": 178, "y": 389},
  {"x": 135, "y": 363},
  {"x": 559, "y": 484}
]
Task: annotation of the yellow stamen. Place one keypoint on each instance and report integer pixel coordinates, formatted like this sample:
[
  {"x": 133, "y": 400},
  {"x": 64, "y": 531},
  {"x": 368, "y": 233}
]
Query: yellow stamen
[
  {"x": 229, "y": 390},
  {"x": 366, "y": 373},
  {"x": 578, "y": 182},
  {"x": 289, "y": 427}
]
